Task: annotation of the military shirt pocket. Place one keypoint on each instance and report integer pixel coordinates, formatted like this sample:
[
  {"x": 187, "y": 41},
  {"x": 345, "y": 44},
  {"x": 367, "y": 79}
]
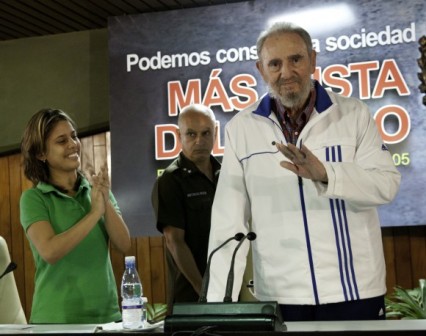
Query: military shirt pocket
[{"x": 200, "y": 200}]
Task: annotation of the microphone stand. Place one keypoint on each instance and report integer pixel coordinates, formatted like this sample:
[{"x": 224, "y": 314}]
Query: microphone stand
[
  {"x": 224, "y": 316},
  {"x": 206, "y": 278},
  {"x": 230, "y": 282}
]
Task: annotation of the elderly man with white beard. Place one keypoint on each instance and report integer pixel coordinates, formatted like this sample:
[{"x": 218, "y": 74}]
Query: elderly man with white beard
[{"x": 305, "y": 169}]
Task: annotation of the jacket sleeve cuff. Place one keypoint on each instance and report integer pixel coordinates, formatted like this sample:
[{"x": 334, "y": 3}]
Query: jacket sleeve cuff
[{"x": 326, "y": 189}]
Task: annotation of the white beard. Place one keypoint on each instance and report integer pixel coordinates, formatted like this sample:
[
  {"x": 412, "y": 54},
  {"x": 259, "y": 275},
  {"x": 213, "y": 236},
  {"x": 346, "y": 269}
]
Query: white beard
[{"x": 292, "y": 100}]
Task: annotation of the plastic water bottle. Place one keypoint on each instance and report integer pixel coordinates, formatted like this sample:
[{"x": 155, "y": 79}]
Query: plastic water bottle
[{"x": 131, "y": 293}]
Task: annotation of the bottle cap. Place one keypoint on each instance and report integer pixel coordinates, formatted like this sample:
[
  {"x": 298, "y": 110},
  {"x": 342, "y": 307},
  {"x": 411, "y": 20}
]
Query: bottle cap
[{"x": 129, "y": 259}]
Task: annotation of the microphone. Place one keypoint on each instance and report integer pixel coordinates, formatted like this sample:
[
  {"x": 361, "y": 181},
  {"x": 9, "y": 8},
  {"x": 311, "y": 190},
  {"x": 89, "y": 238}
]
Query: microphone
[
  {"x": 12, "y": 266},
  {"x": 206, "y": 278},
  {"x": 230, "y": 283},
  {"x": 227, "y": 315}
]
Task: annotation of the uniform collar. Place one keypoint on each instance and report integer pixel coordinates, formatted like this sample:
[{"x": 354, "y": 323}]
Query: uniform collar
[{"x": 189, "y": 167}]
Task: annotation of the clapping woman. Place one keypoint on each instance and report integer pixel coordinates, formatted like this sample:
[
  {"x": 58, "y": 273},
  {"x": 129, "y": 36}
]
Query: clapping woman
[{"x": 69, "y": 223}]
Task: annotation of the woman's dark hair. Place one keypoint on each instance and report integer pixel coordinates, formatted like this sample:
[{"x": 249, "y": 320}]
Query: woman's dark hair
[{"x": 33, "y": 142}]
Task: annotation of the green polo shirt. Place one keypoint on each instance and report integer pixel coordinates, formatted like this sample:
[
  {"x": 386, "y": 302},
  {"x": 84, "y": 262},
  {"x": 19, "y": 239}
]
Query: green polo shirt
[{"x": 79, "y": 288}]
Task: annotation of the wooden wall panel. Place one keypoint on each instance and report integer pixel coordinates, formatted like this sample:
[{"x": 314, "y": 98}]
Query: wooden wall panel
[
  {"x": 18, "y": 236},
  {"x": 99, "y": 151},
  {"x": 5, "y": 230},
  {"x": 403, "y": 266},
  {"x": 158, "y": 269},
  {"x": 404, "y": 247},
  {"x": 144, "y": 265},
  {"x": 417, "y": 236},
  {"x": 28, "y": 262},
  {"x": 389, "y": 251},
  {"x": 87, "y": 158}
]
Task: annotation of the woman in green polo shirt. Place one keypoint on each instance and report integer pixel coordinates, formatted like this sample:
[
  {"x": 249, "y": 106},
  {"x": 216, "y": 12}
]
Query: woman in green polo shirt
[{"x": 69, "y": 223}]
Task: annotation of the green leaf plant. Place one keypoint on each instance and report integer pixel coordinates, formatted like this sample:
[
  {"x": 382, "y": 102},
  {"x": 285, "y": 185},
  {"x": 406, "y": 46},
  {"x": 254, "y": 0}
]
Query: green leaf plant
[
  {"x": 407, "y": 303},
  {"x": 156, "y": 312}
]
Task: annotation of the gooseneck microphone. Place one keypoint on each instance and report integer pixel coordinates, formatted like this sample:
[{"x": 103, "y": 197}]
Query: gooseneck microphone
[
  {"x": 206, "y": 278},
  {"x": 12, "y": 266},
  {"x": 230, "y": 283}
]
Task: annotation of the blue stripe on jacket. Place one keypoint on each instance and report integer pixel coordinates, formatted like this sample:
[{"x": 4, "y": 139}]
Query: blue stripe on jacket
[{"x": 342, "y": 236}]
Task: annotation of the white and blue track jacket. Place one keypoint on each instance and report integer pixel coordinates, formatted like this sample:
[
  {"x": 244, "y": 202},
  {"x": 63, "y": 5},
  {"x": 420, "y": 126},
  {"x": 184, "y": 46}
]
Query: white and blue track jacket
[{"x": 316, "y": 243}]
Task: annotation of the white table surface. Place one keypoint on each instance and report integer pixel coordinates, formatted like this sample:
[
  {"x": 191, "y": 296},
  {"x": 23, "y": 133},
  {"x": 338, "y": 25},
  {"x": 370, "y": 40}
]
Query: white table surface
[
  {"x": 291, "y": 326},
  {"x": 357, "y": 325}
]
